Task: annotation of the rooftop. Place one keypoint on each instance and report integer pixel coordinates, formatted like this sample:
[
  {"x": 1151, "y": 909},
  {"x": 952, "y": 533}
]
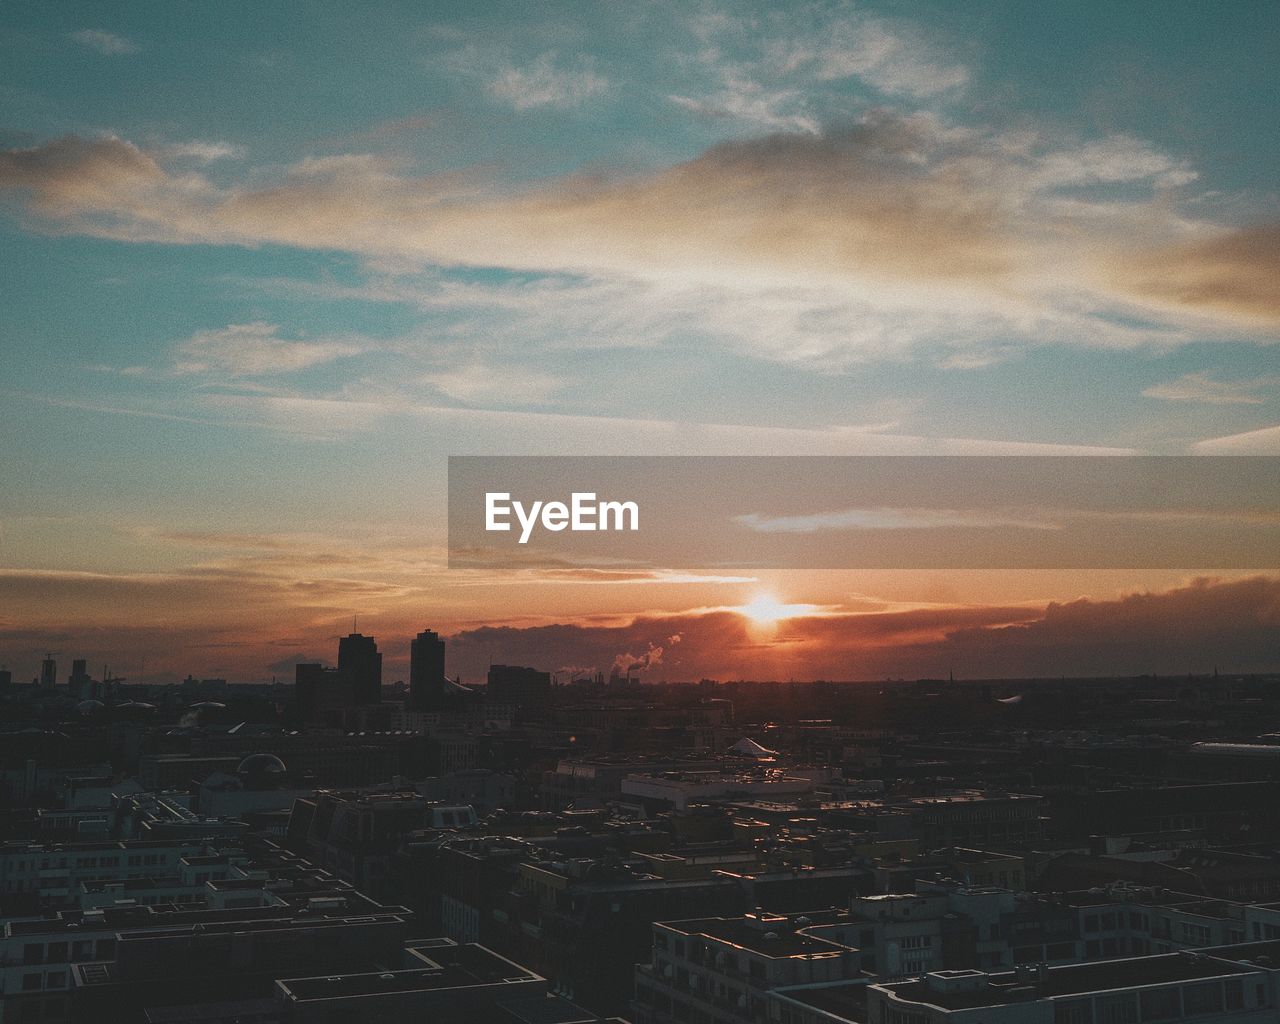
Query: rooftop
[
  {"x": 1077, "y": 979},
  {"x": 772, "y": 936},
  {"x": 443, "y": 967}
]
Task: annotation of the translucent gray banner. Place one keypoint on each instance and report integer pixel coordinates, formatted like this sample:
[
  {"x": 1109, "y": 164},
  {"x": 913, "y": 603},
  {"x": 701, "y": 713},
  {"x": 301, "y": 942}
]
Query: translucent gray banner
[{"x": 865, "y": 512}]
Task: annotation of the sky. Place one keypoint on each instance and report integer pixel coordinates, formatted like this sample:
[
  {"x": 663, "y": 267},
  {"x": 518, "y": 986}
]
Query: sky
[{"x": 267, "y": 266}]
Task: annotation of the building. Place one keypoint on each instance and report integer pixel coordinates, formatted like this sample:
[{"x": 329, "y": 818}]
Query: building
[
  {"x": 48, "y": 673},
  {"x": 79, "y": 683},
  {"x": 676, "y": 790},
  {"x": 513, "y": 684},
  {"x": 360, "y": 665},
  {"x": 320, "y": 691},
  {"x": 722, "y": 968},
  {"x": 1218, "y": 985},
  {"x": 426, "y": 671}
]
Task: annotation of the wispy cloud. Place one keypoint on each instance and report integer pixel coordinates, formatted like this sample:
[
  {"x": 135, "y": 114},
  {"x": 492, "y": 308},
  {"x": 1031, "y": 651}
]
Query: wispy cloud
[
  {"x": 547, "y": 80},
  {"x": 203, "y": 151},
  {"x": 254, "y": 350},
  {"x": 1203, "y": 387},
  {"x": 485, "y": 384},
  {"x": 892, "y": 519},
  {"x": 1253, "y": 442},
  {"x": 107, "y": 43},
  {"x": 894, "y": 58},
  {"x": 747, "y": 101}
]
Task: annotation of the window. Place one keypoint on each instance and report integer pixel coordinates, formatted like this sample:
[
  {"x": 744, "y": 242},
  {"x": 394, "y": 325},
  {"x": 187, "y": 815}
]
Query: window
[
  {"x": 1204, "y": 998},
  {"x": 1117, "y": 1009},
  {"x": 56, "y": 979},
  {"x": 33, "y": 953},
  {"x": 1233, "y": 991},
  {"x": 1073, "y": 1011},
  {"x": 1161, "y": 1004},
  {"x": 32, "y": 982}
]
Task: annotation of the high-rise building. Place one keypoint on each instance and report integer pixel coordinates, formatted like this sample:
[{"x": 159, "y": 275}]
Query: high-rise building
[
  {"x": 360, "y": 666},
  {"x": 512, "y": 684},
  {"x": 319, "y": 690},
  {"x": 79, "y": 682},
  {"x": 426, "y": 671},
  {"x": 6, "y": 678},
  {"x": 48, "y": 674}
]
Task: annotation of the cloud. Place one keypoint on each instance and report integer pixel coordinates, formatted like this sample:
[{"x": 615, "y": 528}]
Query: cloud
[
  {"x": 546, "y": 84},
  {"x": 254, "y": 350},
  {"x": 880, "y": 239},
  {"x": 1201, "y": 387},
  {"x": 1204, "y": 624},
  {"x": 890, "y": 519},
  {"x": 744, "y": 100},
  {"x": 201, "y": 151},
  {"x": 1232, "y": 272},
  {"x": 105, "y": 42},
  {"x": 893, "y": 58},
  {"x": 1254, "y": 442},
  {"x": 519, "y": 432},
  {"x": 1234, "y": 624},
  {"x": 505, "y": 385}
]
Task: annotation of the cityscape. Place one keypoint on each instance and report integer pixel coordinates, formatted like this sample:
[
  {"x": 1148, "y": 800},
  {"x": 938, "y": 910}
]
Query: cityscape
[
  {"x": 535, "y": 849},
  {"x": 652, "y": 512}
]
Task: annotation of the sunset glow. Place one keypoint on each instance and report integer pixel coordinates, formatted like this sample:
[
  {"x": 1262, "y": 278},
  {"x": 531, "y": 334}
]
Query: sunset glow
[{"x": 765, "y": 609}]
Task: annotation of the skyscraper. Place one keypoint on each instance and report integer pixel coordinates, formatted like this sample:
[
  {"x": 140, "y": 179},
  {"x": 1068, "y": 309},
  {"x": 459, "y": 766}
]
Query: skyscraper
[
  {"x": 78, "y": 682},
  {"x": 48, "y": 673},
  {"x": 426, "y": 671},
  {"x": 360, "y": 666}
]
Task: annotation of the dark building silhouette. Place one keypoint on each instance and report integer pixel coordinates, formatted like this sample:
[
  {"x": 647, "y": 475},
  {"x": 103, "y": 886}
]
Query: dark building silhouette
[
  {"x": 513, "y": 684},
  {"x": 6, "y": 678},
  {"x": 79, "y": 682},
  {"x": 48, "y": 674},
  {"x": 426, "y": 671},
  {"x": 360, "y": 665},
  {"x": 319, "y": 690}
]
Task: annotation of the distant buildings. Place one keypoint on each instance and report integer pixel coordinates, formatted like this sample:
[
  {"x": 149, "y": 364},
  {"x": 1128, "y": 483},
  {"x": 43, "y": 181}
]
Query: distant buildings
[
  {"x": 326, "y": 693},
  {"x": 512, "y": 684}
]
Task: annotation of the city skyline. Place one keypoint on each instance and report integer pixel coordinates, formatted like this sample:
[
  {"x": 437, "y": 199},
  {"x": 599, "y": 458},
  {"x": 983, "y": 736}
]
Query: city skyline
[{"x": 267, "y": 269}]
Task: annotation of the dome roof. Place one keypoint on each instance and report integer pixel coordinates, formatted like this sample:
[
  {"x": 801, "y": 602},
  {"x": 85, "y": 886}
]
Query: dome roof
[
  {"x": 90, "y": 707},
  {"x": 261, "y": 764}
]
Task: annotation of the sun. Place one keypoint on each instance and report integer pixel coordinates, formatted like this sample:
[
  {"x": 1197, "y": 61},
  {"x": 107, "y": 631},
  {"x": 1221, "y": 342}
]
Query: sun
[{"x": 765, "y": 610}]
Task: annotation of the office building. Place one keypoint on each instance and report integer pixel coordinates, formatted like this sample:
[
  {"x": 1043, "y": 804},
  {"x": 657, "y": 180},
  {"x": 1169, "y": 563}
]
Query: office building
[
  {"x": 360, "y": 666},
  {"x": 426, "y": 671}
]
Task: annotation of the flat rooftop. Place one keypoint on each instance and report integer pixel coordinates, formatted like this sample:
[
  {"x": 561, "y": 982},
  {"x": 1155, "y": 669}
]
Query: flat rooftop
[
  {"x": 785, "y": 941},
  {"x": 1077, "y": 979},
  {"x": 444, "y": 967}
]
